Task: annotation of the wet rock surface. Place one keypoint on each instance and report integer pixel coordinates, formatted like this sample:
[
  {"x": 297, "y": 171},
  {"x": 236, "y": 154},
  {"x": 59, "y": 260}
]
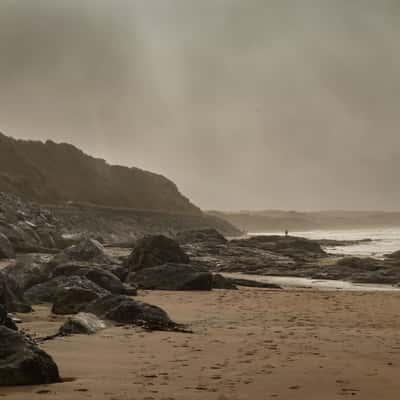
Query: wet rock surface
[{"x": 22, "y": 362}]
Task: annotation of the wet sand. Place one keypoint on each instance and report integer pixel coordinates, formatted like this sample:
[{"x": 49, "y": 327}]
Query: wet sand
[{"x": 248, "y": 344}]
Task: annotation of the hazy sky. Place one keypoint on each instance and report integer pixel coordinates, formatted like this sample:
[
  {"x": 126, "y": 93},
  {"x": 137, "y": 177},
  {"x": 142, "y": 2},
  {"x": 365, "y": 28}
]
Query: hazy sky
[{"x": 245, "y": 104}]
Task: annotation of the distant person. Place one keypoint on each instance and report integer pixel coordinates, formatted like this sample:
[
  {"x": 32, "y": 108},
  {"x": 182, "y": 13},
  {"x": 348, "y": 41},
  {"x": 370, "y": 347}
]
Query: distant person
[{"x": 286, "y": 233}]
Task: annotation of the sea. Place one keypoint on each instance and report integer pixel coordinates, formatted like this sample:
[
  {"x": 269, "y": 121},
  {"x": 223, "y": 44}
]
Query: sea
[{"x": 382, "y": 240}]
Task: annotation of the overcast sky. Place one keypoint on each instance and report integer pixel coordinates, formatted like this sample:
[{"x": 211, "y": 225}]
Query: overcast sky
[{"x": 244, "y": 104}]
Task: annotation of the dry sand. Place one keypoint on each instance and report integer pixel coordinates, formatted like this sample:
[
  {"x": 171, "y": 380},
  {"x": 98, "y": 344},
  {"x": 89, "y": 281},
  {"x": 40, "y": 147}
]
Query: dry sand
[{"x": 248, "y": 344}]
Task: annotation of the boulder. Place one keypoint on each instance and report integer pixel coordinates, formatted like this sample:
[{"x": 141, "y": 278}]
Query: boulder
[
  {"x": 87, "y": 250},
  {"x": 82, "y": 323},
  {"x": 97, "y": 274},
  {"x": 123, "y": 309},
  {"x": 71, "y": 300},
  {"x": 22, "y": 362},
  {"x": 152, "y": 251},
  {"x": 6, "y": 320},
  {"x": 220, "y": 282},
  {"x": 173, "y": 277},
  {"x": 47, "y": 292},
  {"x": 11, "y": 295},
  {"x": 28, "y": 271},
  {"x": 6, "y": 248}
]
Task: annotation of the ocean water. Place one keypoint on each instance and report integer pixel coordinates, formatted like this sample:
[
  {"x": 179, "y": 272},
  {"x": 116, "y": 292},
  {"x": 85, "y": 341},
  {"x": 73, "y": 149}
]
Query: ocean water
[{"x": 384, "y": 240}]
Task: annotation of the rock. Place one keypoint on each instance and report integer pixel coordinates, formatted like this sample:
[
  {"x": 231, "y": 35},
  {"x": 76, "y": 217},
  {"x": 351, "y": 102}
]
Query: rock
[
  {"x": 11, "y": 295},
  {"x": 73, "y": 300},
  {"x": 97, "y": 274},
  {"x": 394, "y": 256},
  {"x": 82, "y": 323},
  {"x": 201, "y": 235},
  {"x": 291, "y": 246},
  {"x": 255, "y": 284},
  {"x": 357, "y": 263},
  {"x": 6, "y": 320},
  {"x": 152, "y": 251},
  {"x": 173, "y": 277},
  {"x": 47, "y": 292},
  {"x": 28, "y": 271},
  {"x": 87, "y": 250},
  {"x": 6, "y": 248},
  {"x": 22, "y": 362},
  {"x": 220, "y": 282},
  {"x": 125, "y": 310}
]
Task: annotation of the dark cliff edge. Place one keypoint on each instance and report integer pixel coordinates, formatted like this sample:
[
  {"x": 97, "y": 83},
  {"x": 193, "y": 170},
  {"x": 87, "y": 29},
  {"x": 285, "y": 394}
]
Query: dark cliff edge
[
  {"x": 52, "y": 173},
  {"x": 87, "y": 195}
]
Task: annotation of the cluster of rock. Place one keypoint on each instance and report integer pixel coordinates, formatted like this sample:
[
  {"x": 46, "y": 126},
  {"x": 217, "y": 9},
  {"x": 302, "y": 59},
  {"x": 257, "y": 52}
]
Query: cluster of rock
[
  {"x": 286, "y": 256},
  {"x": 25, "y": 227}
]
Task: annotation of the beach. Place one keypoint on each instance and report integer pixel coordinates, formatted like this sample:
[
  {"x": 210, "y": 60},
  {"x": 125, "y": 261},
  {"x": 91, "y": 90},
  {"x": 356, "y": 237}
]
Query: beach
[{"x": 247, "y": 344}]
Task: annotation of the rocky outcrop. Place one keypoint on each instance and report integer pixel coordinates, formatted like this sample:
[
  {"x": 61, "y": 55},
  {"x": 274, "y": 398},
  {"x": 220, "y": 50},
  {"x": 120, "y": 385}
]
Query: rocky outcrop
[
  {"x": 82, "y": 323},
  {"x": 152, "y": 251},
  {"x": 173, "y": 277},
  {"x": 47, "y": 292},
  {"x": 22, "y": 362},
  {"x": 297, "y": 248},
  {"x": 25, "y": 227},
  {"x": 125, "y": 310}
]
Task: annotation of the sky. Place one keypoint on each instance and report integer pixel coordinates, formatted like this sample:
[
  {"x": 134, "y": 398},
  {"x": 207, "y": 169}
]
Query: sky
[{"x": 254, "y": 104}]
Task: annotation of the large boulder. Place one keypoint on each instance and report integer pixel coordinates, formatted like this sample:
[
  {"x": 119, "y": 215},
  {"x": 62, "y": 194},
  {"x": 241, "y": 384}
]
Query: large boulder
[
  {"x": 151, "y": 251},
  {"x": 97, "y": 274},
  {"x": 6, "y": 248},
  {"x": 11, "y": 295},
  {"x": 71, "y": 300},
  {"x": 82, "y": 323},
  {"x": 173, "y": 277},
  {"x": 87, "y": 250},
  {"x": 123, "y": 309},
  {"x": 28, "y": 271},
  {"x": 47, "y": 292},
  {"x": 22, "y": 362}
]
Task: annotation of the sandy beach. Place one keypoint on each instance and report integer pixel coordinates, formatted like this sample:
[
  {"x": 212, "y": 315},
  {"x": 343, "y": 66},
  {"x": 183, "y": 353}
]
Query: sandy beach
[{"x": 247, "y": 344}]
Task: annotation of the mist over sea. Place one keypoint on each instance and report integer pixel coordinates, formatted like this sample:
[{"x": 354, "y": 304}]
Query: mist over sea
[{"x": 383, "y": 240}]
